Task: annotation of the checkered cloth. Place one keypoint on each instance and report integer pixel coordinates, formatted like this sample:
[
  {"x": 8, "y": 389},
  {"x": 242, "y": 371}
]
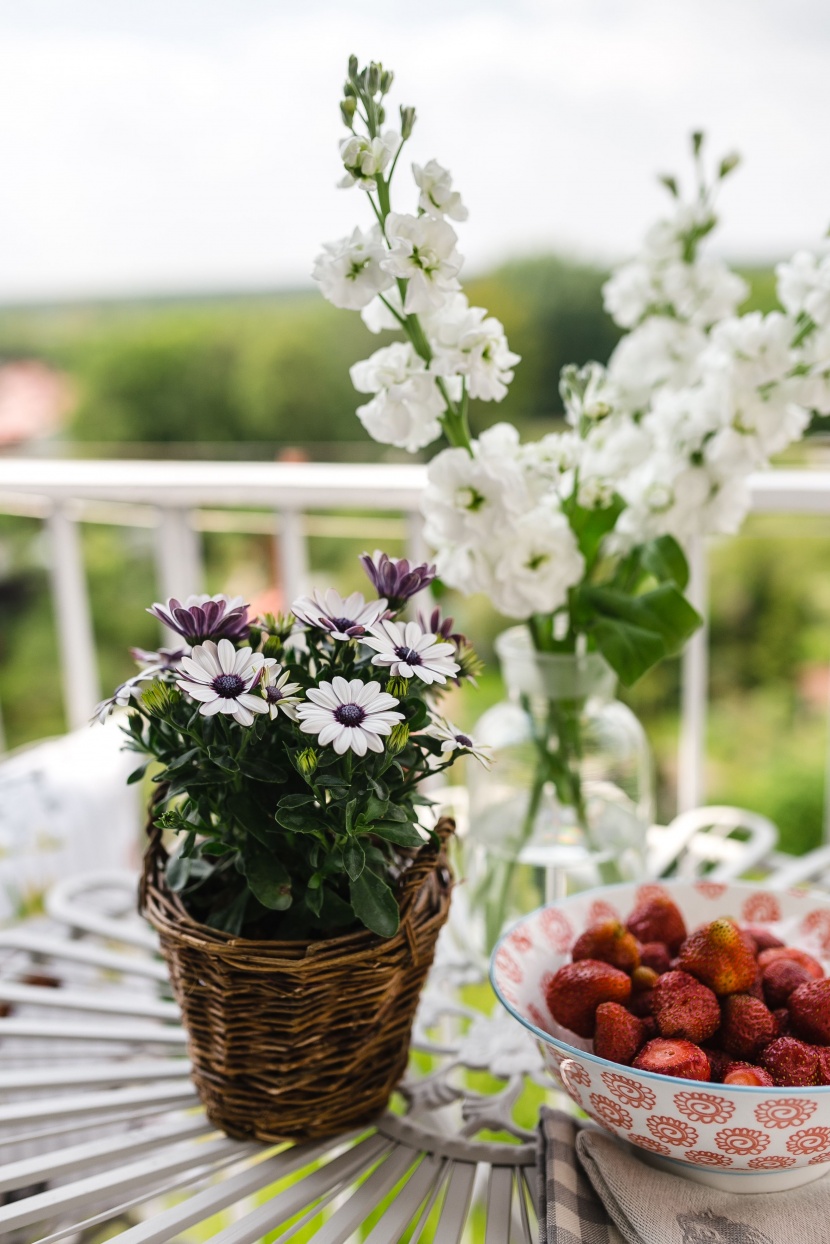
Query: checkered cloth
[{"x": 594, "y": 1190}]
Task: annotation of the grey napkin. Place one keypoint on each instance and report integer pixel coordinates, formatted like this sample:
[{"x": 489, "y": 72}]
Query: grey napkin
[{"x": 635, "y": 1203}]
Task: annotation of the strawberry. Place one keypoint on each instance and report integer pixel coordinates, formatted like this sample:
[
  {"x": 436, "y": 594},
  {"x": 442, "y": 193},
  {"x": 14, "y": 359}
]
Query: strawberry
[
  {"x": 684, "y": 1008},
  {"x": 673, "y": 1058},
  {"x": 791, "y": 1062},
  {"x": 643, "y": 978},
  {"x": 780, "y": 978},
  {"x": 619, "y": 1034},
  {"x": 717, "y": 955},
  {"x": 809, "y": 1007},
  {"x": 719, "y": 1062},
  {"x": 655, "y": 955},
  {"x": 745, "y": 1073},
  {"x": 747, "y": 1026},
  {"x": 823, "y": 1055},
  {"x": 782, "y": 1019},
  {"x": 577, "y": 989},
  {"x": 641, "y": 1003},
  {"x": 657, "y": 920},
  {"x": 609, "y": 942},
  {"x": 795, "y": 955},
  {"x": 762, "y": 937}
]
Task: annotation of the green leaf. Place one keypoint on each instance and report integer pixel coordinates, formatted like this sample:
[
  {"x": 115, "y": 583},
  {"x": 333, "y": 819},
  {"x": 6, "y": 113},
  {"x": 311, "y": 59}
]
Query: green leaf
[
  {"x": 665, "y": 559},
  {"x": 267, "y": 876},
  {"x": 137, "y": 774},
  {"x": 591, "y": 526},
  {"x": 671, "y": 614},
  {"x": 314, "y": 899},
  {"x": 378, "y": 787},
  {"x": 419, "y": 717},
  {"x": 394, "y": 813},
  {"x": 402, "y": 835},
  {"x": 297, "y": 820},
  {"x": 351, "y": 808},
  {"x": 629, "y": 650},
  {"x": 354, "y": 859},
  {"x": 231, "y": 917},
  {"x": 374, "y": 904},
  {"x": 375, "y": 810},
  {"x": 664, "y": 612},
  {"x": 253, "y": 819},
  {"x": 295, "y": 801},
  {"x": 177, "y": 873},
  {"x": 216, "y": 848}
]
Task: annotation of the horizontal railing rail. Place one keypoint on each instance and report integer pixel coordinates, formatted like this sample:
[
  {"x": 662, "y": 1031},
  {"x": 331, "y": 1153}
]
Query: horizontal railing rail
[{"x": 293, "y": 501}]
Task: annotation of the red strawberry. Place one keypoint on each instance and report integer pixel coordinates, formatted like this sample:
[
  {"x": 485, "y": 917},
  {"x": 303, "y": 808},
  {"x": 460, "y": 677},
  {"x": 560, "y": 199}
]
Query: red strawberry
[
  {"x": 577, "y": 989},
  {"x": 745, "y": 1073},
  {"x": 684, "y": 1008},
  {"x": 792, "y": 953},
  {"x": 747, "y": 1026},
  {"x": 608, "y": 942},
  {"x": 782, "y": 1019},
  {"x": 673, "y": 1058},
  {"x": 719, "y": 1062},
  {"x": 717, "y": 955},
  {"x": 780, "y": 978},
  {"x": 762, "y": 937},
  {"x": 655, "y": 955},
  {"x": 619, "y": 1034},
  {"x": 823, "y": 1054},
  {"x": 791, "y": 1062},
  {"x": 641, "y": 1003},
  {"x": 643, "y": 978},
  {"x": 809, "y": 1008},
  {"x": 657, "y": 920}
]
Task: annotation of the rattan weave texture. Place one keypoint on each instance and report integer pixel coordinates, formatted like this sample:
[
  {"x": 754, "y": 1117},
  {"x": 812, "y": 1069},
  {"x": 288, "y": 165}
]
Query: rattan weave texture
[{"x": 299, "y": 1040}]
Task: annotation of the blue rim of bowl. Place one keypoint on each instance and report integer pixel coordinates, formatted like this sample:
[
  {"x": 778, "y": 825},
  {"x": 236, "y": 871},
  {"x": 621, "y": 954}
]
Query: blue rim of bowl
[{"x": 575, "y": 1051}]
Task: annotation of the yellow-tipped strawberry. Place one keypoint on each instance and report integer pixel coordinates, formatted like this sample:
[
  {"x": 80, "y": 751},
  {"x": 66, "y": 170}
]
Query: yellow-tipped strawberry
[
  {"x": 608, "y": 942},
  {"x": 718, "y": 955}
]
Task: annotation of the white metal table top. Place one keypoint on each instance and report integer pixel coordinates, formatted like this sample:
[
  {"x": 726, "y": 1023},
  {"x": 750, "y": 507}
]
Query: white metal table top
[{"x": 102, "y": 1135}]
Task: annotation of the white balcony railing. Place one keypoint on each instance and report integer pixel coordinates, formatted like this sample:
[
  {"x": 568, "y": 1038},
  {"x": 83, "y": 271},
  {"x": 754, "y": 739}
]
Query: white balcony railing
[{"x": 291, "y": 501}]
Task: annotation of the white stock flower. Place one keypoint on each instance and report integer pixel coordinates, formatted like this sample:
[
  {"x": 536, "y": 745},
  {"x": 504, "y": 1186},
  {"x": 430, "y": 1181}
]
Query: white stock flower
[
  {"x": 410, "y": 652},
  {"x": 587, "y": 392},
  {"x": 408, "y": 404},
  {"x": 804, "y": 285},
  {"x": 364, "y": 157},
  {"x": 377, "y": 316},
  {"x": 468, "y": 342},
  {"x": 437, "y": 195},
  {"x": 349, "y": 270},
  {"x": 351, "y": 716},
  {"x": 535, "y": 563},
  {"x": 422, "y": 252},
  {"x": 660, "y": 352},
  {"x": 222, "y": 679}
]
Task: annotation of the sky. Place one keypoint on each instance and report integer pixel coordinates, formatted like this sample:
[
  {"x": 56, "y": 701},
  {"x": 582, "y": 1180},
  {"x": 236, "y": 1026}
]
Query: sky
[{"x": 180, "y": 146}]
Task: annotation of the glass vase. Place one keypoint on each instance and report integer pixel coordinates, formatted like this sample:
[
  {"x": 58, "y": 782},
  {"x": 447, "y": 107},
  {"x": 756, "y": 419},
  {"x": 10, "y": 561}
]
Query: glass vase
[{"x": 568, "y": 800}]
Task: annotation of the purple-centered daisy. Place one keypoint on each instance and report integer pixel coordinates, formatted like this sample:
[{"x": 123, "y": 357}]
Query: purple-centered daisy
[
  {"x": 204, "y": 617},
  {"x": 222, "y": 678},
  {"x": 279, "y": 694},
  {"x": 351, "y": 716},
  {"x": 409, "y": 652},
  {"x": 455, "y": 740},
  {"x": 440, "y": 627},
  {"x": 396, "y": 578},
  {"x": 343, "y": 619}
]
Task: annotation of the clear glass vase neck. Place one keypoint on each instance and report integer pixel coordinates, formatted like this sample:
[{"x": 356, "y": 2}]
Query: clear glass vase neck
[{"x": 552, "y": 675}]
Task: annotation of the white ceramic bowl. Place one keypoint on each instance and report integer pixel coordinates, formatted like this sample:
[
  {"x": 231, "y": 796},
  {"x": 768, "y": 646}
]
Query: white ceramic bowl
[{"x": 733, "y": 1137}]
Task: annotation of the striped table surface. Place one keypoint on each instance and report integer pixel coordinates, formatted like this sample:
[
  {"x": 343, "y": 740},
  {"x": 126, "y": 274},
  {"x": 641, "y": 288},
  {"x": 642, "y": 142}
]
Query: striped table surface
[{"x": 102, "y": 1135}]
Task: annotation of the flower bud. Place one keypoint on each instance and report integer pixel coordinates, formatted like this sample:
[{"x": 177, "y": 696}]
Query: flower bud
[
  {"x": 307, "y": 762},
  {"x": 348, "y": 90},
  {"x": 352, "y": 66},
  {"x": 347, "y": 110},
  {"x": 159, "y": 698},
  {"x": 373, "y": 79},
  {"x": 398, "y": 687},
  {"x": 386, "y": 79},
  {"x": 272, "y": 646},
  {"x": 381, "y": 114},
  {"x": 398, "y": 738},
  {"x": 407, "y": 121},
  {"x": 728, "y": 163}
]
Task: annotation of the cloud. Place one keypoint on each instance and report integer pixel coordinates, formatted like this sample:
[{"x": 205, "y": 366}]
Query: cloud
[{"x": 193, "y": 146}]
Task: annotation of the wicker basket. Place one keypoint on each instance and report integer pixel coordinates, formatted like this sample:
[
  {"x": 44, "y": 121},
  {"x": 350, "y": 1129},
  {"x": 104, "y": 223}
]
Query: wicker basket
[{"x": 299, "y": 1040}]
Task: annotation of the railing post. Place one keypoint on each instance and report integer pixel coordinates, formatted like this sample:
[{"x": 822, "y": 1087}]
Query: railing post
[
  {"x": 76, "y": 641},
  {"x": 178, "y": 554},
  {"x": 292, "y": 568},
  {"x": 418, "y": 553},
  {"x": 691, "y": 779}
]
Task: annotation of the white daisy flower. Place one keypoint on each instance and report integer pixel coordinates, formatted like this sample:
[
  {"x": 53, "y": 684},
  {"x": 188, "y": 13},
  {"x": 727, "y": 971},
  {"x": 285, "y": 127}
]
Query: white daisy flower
[
  {"x": 453, "y": 739},
  {"x": 343, "y": 619},
  {"x": 351, "y": 716},
  {"x": 410, "y": 652},
  {"x": 279, "y": 693},
  {"x": 223, "y": 679}
]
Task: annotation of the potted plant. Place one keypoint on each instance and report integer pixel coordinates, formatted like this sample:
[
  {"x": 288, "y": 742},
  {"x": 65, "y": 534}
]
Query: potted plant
[{"x": 299, "y": 912}]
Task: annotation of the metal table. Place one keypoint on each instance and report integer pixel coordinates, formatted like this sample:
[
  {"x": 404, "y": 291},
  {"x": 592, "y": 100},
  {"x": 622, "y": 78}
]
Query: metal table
[{"x": 102, "y": 1135}]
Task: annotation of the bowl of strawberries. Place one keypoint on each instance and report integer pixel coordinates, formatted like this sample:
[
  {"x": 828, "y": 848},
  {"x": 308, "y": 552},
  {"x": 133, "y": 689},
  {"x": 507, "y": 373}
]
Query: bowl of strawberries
[{"x": 691, "y": 1019}]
